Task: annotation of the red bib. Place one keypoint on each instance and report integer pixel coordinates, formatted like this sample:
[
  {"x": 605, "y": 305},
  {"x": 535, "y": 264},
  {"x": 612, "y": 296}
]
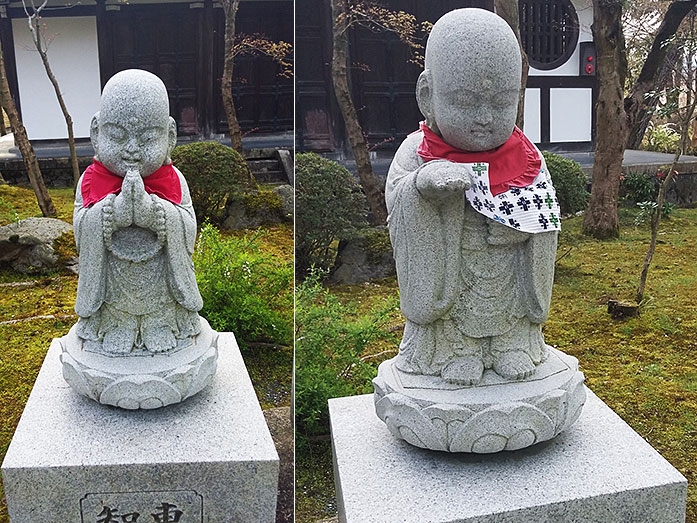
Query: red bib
[
  {"x": 516, "y": 163},
  {"x": 98, "y": 182}
]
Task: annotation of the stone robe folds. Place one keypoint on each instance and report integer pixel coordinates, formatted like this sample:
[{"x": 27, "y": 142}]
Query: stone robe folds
[
  {"x": 427, "y": 241},
  {"x": 159, "y": 290}
]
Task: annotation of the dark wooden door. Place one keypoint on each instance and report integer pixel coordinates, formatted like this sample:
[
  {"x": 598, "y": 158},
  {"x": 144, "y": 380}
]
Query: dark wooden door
[
  {"x": 318, "y": 123},
  {"x": 384, "y": 74},
  {"x": 184, "y": 44},
  {"x": 263, "y": 98},
  {"x": 164, "y": 41}
]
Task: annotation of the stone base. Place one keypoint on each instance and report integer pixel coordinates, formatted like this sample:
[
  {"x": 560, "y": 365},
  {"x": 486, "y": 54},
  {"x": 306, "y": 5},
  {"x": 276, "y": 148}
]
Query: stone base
[
  {"x": 598, "y": 470},
  {"x": 72, "y": 459},
  {"x": 495, "y": 415},
  {"x": 144, "y": 381}
]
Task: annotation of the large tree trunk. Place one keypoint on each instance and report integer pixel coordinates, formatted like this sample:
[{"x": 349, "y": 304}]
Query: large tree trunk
[
  {"x": 22, "y": 141},
  {"x": 34, "y": 24},
  {"x": 374, "y": 192},
  {"x": 635, "y": 104},
  {"x": 508, "y": 10},
  {"x": 601, "y": 220},
  {"x": 230, "y": 7}
]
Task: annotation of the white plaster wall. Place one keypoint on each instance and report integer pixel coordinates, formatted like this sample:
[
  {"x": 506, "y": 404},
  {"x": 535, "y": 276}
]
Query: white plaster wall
[
  {"x": 570, "y": 115},
  {"x": 584, "y": 10},
  {"x": 74, "y": 59},
  {"x": 531, "y": 126}
]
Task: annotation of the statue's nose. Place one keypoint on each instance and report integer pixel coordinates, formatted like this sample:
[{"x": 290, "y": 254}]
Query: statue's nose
[
  {"x": 131, "y": 145},
  {"x": 483, "y": 116}
]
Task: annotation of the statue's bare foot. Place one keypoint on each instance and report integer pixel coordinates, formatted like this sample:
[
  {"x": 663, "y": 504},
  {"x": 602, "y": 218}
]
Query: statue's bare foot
[
  {"x": 514, "y": 365},
  {"x": 119, "y": 341},
  {"x": 159, "y": 339},
  {"x": 465, "y": 370}
]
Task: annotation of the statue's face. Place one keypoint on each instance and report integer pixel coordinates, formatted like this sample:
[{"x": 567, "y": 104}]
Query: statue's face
[
  {"x": 475, "y": 111},
  {"x": 133, "y": 129},
  {"x": 133, "y": 140}
]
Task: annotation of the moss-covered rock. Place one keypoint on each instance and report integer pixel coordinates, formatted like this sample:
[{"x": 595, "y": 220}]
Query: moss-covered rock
[
  {"x": 366, "y": 256},
  {"x": 248, "y": 210}
]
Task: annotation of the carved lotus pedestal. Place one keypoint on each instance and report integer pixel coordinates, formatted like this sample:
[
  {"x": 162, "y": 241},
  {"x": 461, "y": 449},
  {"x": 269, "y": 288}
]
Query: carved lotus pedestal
[
  {"x": 141, "y": 380},
  {"x": 495, "y": 415}
]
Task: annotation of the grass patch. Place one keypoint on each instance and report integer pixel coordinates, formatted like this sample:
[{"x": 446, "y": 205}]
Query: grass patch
[
  {"x": 18, "y": 203},
  {"x": 644, "y": 368}
]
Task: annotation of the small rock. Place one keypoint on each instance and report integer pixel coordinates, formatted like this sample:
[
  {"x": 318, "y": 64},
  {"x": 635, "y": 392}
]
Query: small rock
[
  {"x": 367, "y": 256},
  {"x": 27, "y": 245},
  {"x": 622, "y": 309},
  {"x": 286, "y": 194}
]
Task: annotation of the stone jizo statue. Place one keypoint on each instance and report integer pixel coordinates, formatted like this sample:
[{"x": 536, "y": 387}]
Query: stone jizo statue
[
  {"x": 473, "y": 221},
  {"x": 135, "y": 230}
]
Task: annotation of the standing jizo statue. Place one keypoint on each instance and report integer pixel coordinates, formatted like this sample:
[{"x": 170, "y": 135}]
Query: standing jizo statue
[
  {"x": 139, "y": 341},
  {"x": 473, "y": 220}
]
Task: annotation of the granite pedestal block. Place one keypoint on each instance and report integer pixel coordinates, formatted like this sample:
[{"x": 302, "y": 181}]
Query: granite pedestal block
[
  {"x": 208, "y": 459},
  {"x": 599, "y": 470}
]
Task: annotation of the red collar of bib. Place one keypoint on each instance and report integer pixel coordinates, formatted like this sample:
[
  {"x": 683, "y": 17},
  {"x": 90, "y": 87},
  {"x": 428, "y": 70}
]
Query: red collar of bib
[
  {"x": 98, "y": 182},
  {"x": 516, "y": 163}
]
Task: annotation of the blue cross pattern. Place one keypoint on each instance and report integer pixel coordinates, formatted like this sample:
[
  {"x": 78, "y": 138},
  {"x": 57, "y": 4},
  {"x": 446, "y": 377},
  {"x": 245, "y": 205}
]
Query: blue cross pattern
[
  {"x": 538, "y": 201},
  {"x": 506, "y": 207},
  {"x": 543, "y": 221},
  {"x": 499, "y": 219},
  {"x": 477, "y": 203},
  {"x": 523, "y": 203},
  {"x": 490, "y": 206},
  {"x": 482, "y": 186},
  {"x": 474, "y": 187},
  {"x": 513, "y": 223},
  {"x": 515, "y": 191},
  {"x": 541, "y": 185}
]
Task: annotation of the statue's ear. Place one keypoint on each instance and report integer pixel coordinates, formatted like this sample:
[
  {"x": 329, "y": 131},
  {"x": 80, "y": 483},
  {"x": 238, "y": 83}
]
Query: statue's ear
[
  {"x": 171, "y": 139},
  {"x": 424, "y": 96},
  {"x": 94, "y": 133}
]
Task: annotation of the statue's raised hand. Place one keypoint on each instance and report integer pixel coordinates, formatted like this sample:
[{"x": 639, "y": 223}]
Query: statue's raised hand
[
  {"x": 442, "y": 178},
  {"x": 143, "y": 206},
  {"x": 120, "y": 207}
]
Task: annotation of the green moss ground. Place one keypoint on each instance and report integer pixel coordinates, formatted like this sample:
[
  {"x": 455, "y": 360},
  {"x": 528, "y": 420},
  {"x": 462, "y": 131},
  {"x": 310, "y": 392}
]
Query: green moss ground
[
  {"x": 24, "y": 344},
  {"x": 644, "y": 368}
]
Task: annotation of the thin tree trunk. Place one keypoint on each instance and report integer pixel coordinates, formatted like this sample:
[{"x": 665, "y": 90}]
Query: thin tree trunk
[
  {"x": 22, "y": 141},
  {"x": 686, "y": 120},
  {"x": 655, "y": 223},
  {"x": 3, "y": 127},
  {"x": 508, "y": 10},
  {"x": 36, "y": 34},
  {"x": 601, "y": 220},
  {"x": 373, "y": 191},
  {"x": 230, "y": 7}
]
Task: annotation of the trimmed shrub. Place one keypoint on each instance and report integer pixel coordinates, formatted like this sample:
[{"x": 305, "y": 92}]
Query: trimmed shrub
[
  {"x": 569, "y": 181},
  {"x": 330, "y": 206},
  {"x": 214, "y": 173},
  {"x": 244, "y": 290},
  {"x": 639, "y": 187}
]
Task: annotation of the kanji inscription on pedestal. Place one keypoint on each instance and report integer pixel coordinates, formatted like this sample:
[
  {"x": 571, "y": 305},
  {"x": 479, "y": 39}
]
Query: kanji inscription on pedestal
[{"x": 180, "y": 506}]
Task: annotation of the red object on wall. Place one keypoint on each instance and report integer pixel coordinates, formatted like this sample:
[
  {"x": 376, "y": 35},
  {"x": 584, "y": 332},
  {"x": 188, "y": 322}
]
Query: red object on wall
[{"x": 587, "y": 67}]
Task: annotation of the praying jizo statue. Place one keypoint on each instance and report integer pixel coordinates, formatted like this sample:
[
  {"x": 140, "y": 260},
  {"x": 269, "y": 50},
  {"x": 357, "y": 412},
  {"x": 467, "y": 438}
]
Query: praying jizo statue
[
  {"x": 473, "y": 221},
  {"x": 139, "y": 341}
]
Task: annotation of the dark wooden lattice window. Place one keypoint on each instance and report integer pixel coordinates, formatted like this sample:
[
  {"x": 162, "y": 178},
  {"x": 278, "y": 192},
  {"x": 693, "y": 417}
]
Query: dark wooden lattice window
[{"x": 549, "y": 31}]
